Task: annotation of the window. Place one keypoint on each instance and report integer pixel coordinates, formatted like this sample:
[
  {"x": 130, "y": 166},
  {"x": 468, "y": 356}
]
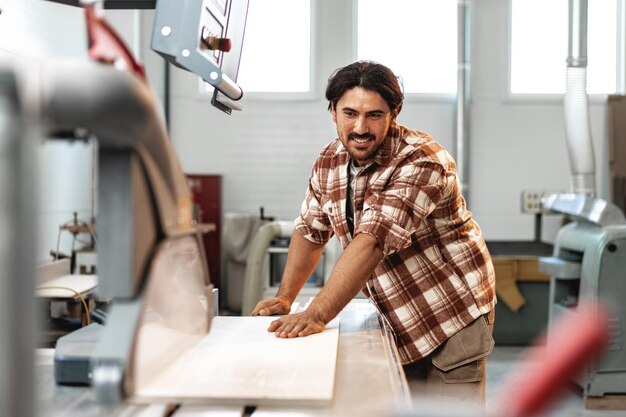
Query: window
[
  {"x": 276, "y": 54},
  {"x": 417, "y": 39},
  {"x": 539, "y": 46}
]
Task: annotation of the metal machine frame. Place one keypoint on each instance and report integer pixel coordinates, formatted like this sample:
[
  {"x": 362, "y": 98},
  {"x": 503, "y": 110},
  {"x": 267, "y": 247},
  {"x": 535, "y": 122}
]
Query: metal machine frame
[
  {"x": 181, "y": 33},
  {"x": 17, "y": 271}
]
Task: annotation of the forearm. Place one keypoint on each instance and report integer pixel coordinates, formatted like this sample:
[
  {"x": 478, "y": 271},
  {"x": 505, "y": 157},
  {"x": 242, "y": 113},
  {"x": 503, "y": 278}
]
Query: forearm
[
  {"x": 350, "y": 274},
  {"x": 302, "y": 260}
]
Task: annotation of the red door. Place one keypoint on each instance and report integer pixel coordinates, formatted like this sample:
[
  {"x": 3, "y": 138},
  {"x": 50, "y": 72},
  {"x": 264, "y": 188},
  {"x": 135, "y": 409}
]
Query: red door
[{"x": 206, "y": 191}]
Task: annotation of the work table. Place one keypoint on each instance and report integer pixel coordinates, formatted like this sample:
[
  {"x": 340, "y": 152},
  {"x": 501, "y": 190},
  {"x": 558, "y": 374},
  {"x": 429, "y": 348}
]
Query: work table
[{"x": 369, "y": 381}]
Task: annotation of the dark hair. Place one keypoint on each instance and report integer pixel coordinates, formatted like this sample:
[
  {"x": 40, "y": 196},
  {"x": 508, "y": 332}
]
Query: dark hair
[{"x": 368, "y": 75}]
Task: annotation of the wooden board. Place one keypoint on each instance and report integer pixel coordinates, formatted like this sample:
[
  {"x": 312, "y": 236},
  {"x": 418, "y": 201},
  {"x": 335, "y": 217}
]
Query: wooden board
[
  {"x": 240, "y": 363},
  {"x": 67, "y": 286}
]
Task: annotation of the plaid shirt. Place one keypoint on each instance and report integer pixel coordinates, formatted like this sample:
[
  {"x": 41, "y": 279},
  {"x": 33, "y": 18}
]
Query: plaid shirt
[{"x": 436, "y": 276}]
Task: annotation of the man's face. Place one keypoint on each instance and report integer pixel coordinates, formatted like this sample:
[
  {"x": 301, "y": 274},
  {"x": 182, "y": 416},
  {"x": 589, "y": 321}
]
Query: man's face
[{"x": 363, "y": 119}]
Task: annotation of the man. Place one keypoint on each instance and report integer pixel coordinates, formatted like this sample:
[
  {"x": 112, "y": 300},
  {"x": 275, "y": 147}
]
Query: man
[{"x": 391, "y": 195}]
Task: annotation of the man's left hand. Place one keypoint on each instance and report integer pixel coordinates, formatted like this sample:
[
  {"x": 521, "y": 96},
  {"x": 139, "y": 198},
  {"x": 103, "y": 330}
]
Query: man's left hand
[{"x": 297, "y": 325}]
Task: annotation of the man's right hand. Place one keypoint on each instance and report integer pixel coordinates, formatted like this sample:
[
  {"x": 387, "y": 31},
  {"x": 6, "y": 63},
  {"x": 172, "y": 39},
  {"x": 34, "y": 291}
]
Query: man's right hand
[{"x": 272, "y": 307}]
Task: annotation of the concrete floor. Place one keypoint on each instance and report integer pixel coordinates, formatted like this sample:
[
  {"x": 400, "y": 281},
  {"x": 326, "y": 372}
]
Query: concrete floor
[{"x": 500, "y": 364}]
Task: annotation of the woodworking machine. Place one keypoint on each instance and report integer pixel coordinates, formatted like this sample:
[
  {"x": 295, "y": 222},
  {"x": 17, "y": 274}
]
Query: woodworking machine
[
  {"x": 589, "y": 261},
  {"x": 150, "y": 256}
]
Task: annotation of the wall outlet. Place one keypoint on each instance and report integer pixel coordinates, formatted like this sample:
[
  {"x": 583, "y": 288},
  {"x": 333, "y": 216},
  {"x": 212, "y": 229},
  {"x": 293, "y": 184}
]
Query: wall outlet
[{"x": 531, "y": 200}]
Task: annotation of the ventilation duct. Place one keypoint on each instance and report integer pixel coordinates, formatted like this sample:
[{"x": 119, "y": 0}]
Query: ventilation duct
[{"x": 577, "y": 126}]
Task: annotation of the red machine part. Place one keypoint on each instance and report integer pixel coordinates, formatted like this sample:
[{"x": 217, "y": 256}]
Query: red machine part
[{"x": 106, "y": 46}]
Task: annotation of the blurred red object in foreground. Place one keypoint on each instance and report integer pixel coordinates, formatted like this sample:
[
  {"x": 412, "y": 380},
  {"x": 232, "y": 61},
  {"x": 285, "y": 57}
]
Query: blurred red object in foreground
[{"x": 577, "y": 338}]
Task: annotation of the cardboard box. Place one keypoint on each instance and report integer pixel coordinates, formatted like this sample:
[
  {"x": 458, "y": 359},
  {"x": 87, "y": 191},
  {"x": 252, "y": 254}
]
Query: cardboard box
[
  {"x": 523, "y": 300},
  {"x": 513, "y": 269}
]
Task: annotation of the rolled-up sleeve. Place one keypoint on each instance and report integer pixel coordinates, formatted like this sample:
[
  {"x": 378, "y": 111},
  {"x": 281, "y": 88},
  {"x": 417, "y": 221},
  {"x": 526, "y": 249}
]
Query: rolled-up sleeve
[
  {"x": 393, "y": 215},
  {"x": 313, "y": 223}
]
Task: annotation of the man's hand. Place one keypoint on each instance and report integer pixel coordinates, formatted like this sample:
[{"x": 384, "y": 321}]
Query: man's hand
[
  {"x": 298, "y": 325},
  {"x": 272, "y": 307}
]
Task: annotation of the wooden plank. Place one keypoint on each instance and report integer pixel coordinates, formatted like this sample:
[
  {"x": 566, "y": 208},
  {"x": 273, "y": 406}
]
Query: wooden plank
[
  {"x": 240, "y": 363},
  {"x": 67, "y": 286},
  {"x": 606, "y": 402}
]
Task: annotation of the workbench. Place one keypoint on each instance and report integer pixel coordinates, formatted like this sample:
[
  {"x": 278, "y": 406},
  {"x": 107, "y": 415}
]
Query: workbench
[{"x": 370, "y": 381}]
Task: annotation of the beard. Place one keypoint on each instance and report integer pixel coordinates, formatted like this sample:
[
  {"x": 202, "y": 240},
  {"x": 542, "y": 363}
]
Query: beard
[{"x": 360, "y": 156}]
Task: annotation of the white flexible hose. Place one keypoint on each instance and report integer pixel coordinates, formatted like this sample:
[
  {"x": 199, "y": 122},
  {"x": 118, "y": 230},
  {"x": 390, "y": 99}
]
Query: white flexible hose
[
  {"x": 254, "y": 277},
  {"x": 577, "y": 126}
]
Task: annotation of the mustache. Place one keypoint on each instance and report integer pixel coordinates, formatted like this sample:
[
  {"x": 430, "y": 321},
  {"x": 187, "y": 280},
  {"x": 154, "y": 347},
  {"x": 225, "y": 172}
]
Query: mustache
[{"x": 368, "y": 136}]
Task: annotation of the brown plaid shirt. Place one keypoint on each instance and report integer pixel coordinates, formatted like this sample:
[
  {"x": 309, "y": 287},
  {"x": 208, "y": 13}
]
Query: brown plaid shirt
[{"x": 436, "y": 276}]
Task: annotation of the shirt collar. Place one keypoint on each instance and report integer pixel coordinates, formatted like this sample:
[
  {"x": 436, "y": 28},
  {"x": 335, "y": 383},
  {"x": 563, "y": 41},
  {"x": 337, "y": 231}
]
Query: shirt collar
[{"x": 387, "y": 148}]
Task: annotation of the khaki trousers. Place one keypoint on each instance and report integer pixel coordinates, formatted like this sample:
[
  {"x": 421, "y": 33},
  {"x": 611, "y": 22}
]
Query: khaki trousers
[{"x": 456, "y": 369}]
